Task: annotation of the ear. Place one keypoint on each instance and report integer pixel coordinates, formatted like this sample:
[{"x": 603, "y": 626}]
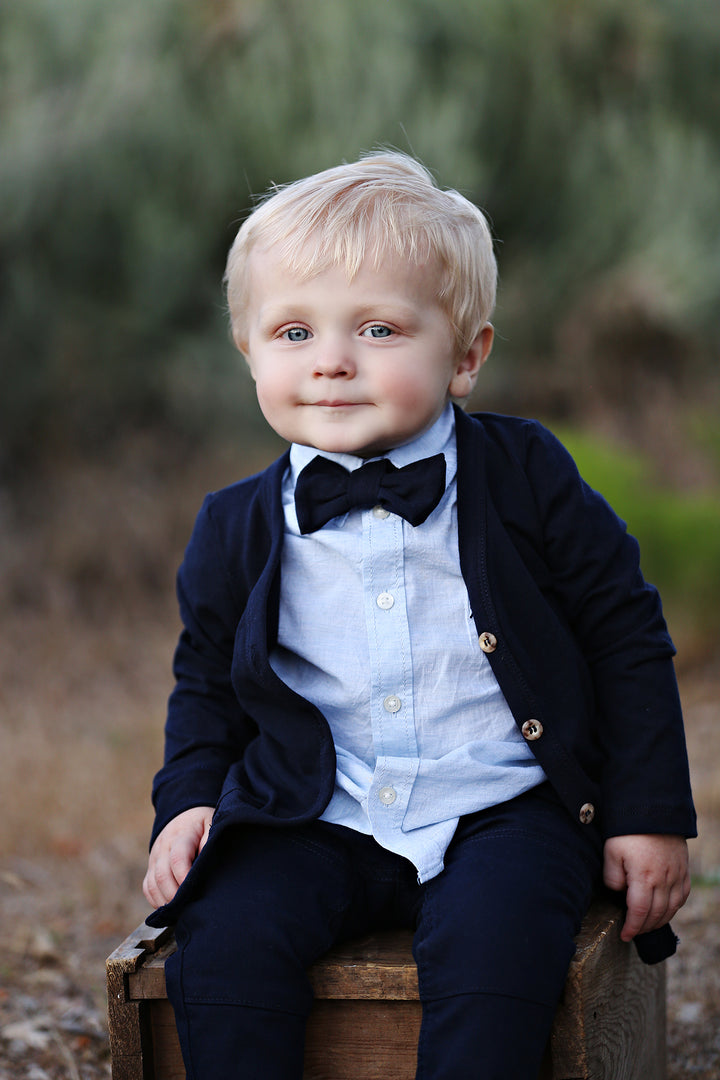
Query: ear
[
  {"x": 468, "y": 366},
  {"x": 241, "y": 345}
]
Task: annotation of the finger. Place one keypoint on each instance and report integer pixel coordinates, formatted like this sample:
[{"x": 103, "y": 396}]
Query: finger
[
  {"x": 667, "y": 903},
  {"x": 614, "y": 878},
  {"x": 660, "y": 911},
  {"x": 182, "y": 856},
  {"x": 639, "y": 901},
  {"x": 166, "y": 883},
  {"x": 152, "y": 889},
  {"x": 659, "y": 914},
  {"x": 165, "y": 872},
  {"x": 206, "y": 833},
  {"x": 685, "y": 888},
  {"x": 614, "y": 874},
  {"x": 148, "y": 888}
]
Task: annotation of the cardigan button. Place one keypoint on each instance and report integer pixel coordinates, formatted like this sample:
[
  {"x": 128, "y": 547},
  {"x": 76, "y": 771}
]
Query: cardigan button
[
  {"x": 532, "y": 729},
  {"x": 488, "y": 642},
  {"x": 587, "y": 813}
]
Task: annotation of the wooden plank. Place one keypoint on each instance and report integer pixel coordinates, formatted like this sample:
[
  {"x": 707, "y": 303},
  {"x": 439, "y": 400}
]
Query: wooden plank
[
  {"x": 147, "y": 982},
  {"x": 378, "y": 967},
  {"x": 365, "y": 1023},
  {"x": 166, "y": 1053},
  {"x": 610, "y": 1024},
  {"x": 362, "y": 1040},
  {"x": 128, "y": 1030},
  {"x": 141, "y": 943}
]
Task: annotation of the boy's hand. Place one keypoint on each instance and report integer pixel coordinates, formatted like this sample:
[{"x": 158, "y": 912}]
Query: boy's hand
[
  {"x": 654, "y": 870},
  {"x": 174, "y": 852}
]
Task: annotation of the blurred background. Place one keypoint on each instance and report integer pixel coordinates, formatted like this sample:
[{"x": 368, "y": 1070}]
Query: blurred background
[{"x": 133, "y": 138}]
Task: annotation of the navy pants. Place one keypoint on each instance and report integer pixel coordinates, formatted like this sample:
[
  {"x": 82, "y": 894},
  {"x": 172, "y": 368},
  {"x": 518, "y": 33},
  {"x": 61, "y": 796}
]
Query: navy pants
[{"x": 493, "y": 937}]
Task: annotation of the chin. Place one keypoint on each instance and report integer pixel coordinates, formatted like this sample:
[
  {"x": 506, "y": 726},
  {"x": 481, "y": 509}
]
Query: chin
[{"x": 340, "y": 445}]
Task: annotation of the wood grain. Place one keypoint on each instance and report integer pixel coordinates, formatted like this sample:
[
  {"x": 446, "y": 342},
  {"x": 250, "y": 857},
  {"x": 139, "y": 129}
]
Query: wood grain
[{"x": 610, "y": 1024}]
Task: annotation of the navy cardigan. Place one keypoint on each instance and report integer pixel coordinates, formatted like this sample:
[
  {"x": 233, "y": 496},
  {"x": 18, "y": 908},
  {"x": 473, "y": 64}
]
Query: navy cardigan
[{"x": 581, "y": 650}]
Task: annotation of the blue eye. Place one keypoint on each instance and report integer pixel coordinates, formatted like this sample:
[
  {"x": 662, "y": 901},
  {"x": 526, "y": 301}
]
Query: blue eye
[
  {"x": 297, "y": 333},
  {"x": 378, "y": 332}
]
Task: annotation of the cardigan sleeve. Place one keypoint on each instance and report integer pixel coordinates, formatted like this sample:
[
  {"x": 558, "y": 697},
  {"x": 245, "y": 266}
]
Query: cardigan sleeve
[
  {"x": 617, "y": 618},
  {"x": 206, "y": 729}
]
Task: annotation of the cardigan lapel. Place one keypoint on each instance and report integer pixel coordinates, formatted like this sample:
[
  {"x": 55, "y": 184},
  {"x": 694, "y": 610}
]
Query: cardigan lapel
[{"x": 472, "y": 514}]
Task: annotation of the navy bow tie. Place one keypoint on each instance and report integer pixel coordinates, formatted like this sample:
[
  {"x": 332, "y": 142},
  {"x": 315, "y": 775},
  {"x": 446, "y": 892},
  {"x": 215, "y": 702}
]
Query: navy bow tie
[{"x": 325, "y": 490}]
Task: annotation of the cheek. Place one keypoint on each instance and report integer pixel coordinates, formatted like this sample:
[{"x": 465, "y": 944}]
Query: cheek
[
  {"x": 414, "y": 391},
  {"x": 270, "y": 404},
  {"x": 271, "y": 388},
  {"x": 399, "y": 388}
]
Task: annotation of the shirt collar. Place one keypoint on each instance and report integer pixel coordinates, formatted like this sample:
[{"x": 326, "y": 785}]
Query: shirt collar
[{"x": 438, "y": 439}]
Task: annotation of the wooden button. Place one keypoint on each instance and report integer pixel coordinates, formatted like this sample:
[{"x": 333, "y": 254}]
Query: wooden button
[
  {"x": 488, "y": 642},
  {"x": 587, "y": 813},
  {"x": 532, "y": 729}
]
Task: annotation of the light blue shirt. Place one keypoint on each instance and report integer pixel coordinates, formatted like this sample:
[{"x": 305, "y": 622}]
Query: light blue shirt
[{"x": 376, "y": 631}]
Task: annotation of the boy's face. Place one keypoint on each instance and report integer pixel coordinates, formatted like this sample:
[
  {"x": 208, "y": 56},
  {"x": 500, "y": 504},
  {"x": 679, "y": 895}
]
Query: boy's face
[{"x": 354, "y": 367}]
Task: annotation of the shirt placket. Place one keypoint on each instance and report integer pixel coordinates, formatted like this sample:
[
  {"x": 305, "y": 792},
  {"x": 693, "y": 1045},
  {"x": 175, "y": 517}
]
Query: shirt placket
[{"x": 392, "y": 706}]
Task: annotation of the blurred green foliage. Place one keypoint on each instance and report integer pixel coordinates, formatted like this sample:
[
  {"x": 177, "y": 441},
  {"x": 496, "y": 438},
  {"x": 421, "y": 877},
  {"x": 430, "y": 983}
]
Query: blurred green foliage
[
  {"x": 133, "y": 135},
  {"x": 679, "y": 535}
]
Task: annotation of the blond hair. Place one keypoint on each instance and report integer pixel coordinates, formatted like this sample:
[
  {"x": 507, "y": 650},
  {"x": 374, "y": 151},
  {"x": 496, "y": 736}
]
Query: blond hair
[{"x": 384, "y": 204}]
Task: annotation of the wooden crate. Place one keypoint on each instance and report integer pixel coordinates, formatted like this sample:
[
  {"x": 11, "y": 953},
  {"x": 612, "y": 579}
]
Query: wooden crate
[{"x": 610, "y": 1024}]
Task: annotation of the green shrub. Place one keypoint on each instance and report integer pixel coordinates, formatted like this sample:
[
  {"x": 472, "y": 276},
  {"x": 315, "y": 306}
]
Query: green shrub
[
  {"x": 678, "y": 532},
  {"x": 133, "y": 136}
]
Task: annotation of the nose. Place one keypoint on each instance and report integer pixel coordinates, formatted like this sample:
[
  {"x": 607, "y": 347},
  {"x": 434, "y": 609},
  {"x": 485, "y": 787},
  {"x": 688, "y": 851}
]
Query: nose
[{"x": 333, "y": 360}]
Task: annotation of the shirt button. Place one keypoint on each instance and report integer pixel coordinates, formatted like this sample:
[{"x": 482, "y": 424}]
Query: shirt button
[
  {"x": 392, "y": 703},
  {"x": 488, "y": 642},
  {"x": 380, "y": 512},
  {"x": 387, "y": 795},
  {"x": 385, "y": 601},
  {"x": 587, "y": 813},
  {"x": 532, "y": 729}
]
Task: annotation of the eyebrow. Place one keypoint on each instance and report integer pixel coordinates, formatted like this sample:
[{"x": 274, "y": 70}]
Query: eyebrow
[
  {"x": 381, "y": 309},
  {"x": 384, "y": 308},
  {"x": 274, "y": 315}
]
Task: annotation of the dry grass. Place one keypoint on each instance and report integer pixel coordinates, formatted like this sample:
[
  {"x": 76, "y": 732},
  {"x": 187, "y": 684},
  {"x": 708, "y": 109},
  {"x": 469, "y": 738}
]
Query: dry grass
[
  {"x": 89, "y": 624},
  {"x": 87, "y": 568}
]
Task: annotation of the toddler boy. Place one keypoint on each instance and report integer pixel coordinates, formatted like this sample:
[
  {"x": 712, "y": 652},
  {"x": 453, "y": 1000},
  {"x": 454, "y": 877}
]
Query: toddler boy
[{"x": 421, "y": 680}]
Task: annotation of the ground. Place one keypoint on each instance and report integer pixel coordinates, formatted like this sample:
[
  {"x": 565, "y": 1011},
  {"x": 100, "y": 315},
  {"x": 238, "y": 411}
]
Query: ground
[{"x": 89, "y": 626}]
